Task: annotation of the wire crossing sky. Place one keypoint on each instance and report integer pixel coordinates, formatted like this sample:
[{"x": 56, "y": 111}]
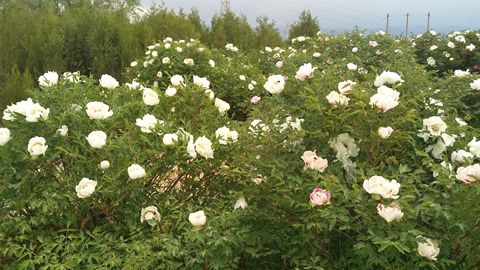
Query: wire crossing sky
[{"x": 343, "y": 15}]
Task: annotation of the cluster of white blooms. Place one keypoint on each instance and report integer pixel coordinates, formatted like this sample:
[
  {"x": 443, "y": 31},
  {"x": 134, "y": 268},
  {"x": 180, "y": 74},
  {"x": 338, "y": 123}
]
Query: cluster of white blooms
[
  {"x": 31, "y": 110},
  {"x": 226, "y": 135},
  {"x": 230, "y": 47}
]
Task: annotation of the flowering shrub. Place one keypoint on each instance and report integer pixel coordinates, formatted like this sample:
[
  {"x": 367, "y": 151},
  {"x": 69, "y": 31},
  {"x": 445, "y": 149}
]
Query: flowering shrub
[
  {"x": 342, "y": 155},
  {"x": 458, "y": 50}
]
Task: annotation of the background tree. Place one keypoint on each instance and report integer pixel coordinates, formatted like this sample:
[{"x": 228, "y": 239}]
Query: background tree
[
  {"x": 267, "y": 34},
  {"x": 306, "y": 25}
]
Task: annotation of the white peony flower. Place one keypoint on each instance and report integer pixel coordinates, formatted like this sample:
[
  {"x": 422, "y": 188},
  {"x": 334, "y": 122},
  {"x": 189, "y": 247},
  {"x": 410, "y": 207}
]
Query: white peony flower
[
  {"x": 354, "y": 49},
  {"x": 344, "y": 146},
  {"x": 345, "y": 87},
  {"x": 151, "y": 215},
  {"x": 451, "y": 45},
  {"x": 460, "y": 73},
  {"x": 37, "y": 146},
  {"x": 385, "y": 132},
  {"x": 171, "y": 91},
  {"x": 385, "y": 99},
  {"x": 191, "y": 149},
  {"x": 105, "y": 164},
  {"x": 373, "y": 43},
  {"x": 429, "y": 249},
  {"x": 133, "y": 64},
  {"x": 201, "y": 81},
  {"x": 461, "y": 156},
  {"x": 150, "y": 97},
  {"x": 147, "y": 123},
  {"x": 48, "y": 79},
  {"x": 305, "y": 72},
  {"x": 390, "y": 213},
  {"x": 241, "y": 203},
  {"x": 136, "y": 171},
  {"x": 166, "y": 60},
  {"x": 4, "y": 136},
  {"x": 225, "y": 135},
  {"x": 474, "y": 147},
  {"x": 73, "y": 77},
  {"x": 255, "y": 99},
  {"x": 36, "y": 112},
  {"x": 222, "y": 106},
  {"x": 381, "y": 186},
  {"x": 98, "y": 110},
  {"x": 352, "y": 66},
  {"x": 475, "y": 85},
  {"x": 470, "y": 47},
  {"x": 97, "y": 139},
  {"x": 387, "y": 78},
  {"x": 107, "y": 81},
  {"x": 275, "y": 84},
  {"x": 170, "y": 139},
  {"x": 197, "y": 219},
  {"x": 431, "y": 61},
  {"x": 211, "y": 63},
  {"x": 435, "y": 125},
  {"x": 210, "y": 94},
  {"x": 433, "y": 47},
  {"x": 188, "y": 62},
  {"x": 279, "y": 64},
  {"x": 176, "y": 80},
  {"x": 85, "y": 188},
  {"x": 63, "y": 131},
  {"x": 203, "y": 146},
  {"x": 335, "y": 99}
]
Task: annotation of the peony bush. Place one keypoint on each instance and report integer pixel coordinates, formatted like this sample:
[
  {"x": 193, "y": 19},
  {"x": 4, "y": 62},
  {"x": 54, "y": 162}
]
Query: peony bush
[{"x": 338, "y": 152}]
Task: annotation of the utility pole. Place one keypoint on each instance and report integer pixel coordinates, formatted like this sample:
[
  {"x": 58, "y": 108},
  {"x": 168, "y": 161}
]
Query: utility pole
[
  {"x": 386, "y": 27},
  {"x": 406, "y": 27},
  {"x": 428, "y": 22},
  {"x": 225, "y": 6}
]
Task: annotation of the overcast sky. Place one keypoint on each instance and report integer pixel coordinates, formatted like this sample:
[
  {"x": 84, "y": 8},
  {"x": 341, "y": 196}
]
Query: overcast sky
[{"x": 341, "y": 15}]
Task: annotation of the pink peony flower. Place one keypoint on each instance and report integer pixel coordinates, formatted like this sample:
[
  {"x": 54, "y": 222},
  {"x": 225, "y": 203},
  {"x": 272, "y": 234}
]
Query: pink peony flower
[
  {"x": 469, "y": 174},
  {"x": 319, "y": 197},
  {"x": 314, "y": 162}
]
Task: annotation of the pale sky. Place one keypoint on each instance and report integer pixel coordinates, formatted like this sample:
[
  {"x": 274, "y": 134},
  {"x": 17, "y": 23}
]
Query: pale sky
[{"x": 342, "y": 15}]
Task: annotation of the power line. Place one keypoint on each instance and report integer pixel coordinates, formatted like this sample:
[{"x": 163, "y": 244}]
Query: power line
[
  {"x": 351, "y": 9},
  {"x": 336, "y": 13}
]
